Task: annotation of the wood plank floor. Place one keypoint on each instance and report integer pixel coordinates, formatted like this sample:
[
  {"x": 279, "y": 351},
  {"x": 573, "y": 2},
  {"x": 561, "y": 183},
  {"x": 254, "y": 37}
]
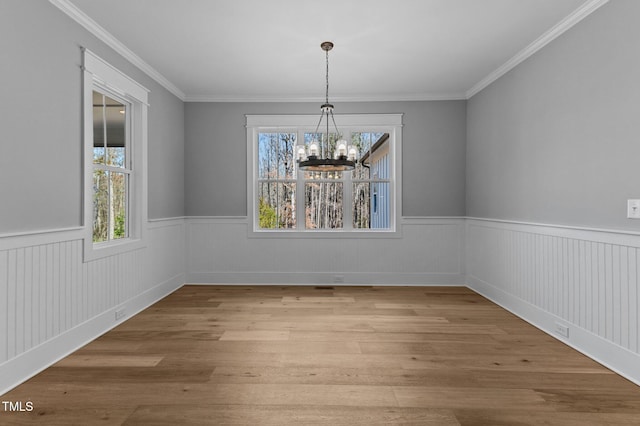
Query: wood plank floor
[{"x": 274, "y": 355}]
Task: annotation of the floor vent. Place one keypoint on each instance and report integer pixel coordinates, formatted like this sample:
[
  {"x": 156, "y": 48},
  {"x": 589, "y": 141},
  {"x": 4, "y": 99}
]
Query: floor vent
[{"x": 324, "y": 288}]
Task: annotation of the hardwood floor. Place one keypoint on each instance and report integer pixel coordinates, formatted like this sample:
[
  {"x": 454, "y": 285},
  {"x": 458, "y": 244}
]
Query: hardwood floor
[{"x": 274, "y": 355}]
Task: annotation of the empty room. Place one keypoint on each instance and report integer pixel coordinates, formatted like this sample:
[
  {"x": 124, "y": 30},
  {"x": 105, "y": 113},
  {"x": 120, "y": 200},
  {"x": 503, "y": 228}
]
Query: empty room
[{"x": 342, "y": 212}]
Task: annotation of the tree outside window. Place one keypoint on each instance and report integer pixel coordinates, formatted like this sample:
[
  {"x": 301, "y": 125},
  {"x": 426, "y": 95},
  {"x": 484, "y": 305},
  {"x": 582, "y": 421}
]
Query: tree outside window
[
  {"x": 110, "y": 168},
  {"x": 287, "y": 199}
]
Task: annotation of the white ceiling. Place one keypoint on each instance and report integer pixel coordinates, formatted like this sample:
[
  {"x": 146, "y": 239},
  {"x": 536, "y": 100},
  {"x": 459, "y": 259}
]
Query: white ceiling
[{"x": 251, "y": 50}]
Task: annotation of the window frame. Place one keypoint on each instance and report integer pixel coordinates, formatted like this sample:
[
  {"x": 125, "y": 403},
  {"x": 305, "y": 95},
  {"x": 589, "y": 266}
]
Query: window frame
[
  {"x": 348, "y": 123},
  {"x": 100, "y": 76}
]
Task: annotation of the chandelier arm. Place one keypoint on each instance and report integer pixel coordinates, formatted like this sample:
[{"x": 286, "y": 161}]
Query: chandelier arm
[
  {"x": 327, "y": 154},
  {"x": 319, "y": 123},
  {"x": 326, "y": 164},
  {"x": 326, "y": 109},
  {"x": 335, "y": 125},
  {"x": 326, "y": 52}
]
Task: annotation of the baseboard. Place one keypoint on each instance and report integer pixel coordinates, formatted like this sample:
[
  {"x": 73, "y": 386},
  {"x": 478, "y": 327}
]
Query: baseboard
[
  {"x": 610, "y": 355},
  {"x": 21, "y": 368},
  {"x": 334, "y": 278}
]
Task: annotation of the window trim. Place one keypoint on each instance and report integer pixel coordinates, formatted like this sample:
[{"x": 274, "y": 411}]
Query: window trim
[
  {"x": 103, "y": 77},
  {"x": 389, "y": 123}
]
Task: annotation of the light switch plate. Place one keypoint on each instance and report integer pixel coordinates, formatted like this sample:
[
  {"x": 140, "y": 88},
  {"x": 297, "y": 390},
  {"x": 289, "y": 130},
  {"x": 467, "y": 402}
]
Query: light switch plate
[{"x": 633, "y": 209}]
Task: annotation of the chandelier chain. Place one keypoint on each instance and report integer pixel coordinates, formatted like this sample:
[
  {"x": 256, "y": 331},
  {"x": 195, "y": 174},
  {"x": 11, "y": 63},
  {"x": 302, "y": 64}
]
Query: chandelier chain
[
  {"x": 345, "y": 155},
  {"x": 327, "y": 76}
]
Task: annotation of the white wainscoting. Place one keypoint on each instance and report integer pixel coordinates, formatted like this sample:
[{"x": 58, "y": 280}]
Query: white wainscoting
[
  {"x": 586, "y": 280},
  {"x": 429, "y": 251},
  {"x": 52, "y": 303}
]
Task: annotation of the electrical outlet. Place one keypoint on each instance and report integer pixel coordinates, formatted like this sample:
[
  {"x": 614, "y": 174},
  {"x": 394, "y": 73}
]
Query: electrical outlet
[
  {"x": 338, "y": 278},
  {"x": 120, "y": 313},
  {"x": 562, "y": 330},
  {"x": 633, "y": 209}
]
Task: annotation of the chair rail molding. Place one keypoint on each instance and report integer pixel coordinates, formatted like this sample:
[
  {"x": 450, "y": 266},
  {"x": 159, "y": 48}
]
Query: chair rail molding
[{"x": 556, "y": 278}]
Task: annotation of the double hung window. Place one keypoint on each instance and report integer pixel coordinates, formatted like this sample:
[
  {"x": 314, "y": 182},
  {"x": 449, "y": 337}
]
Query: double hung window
[
  {"x": 111, "y": 167},
  {"x": 286, "y": 199},
  {"x": 115, "y": 139}
]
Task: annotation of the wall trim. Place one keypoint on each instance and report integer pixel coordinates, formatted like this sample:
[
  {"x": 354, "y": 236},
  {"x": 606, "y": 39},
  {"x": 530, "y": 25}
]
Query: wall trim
[
  {"x": 433, "y": 254},
  {"x": 166, "y": 219},
  {"x": 15, "y": 240},
  {"x": 615, "y": 236},
  {"x": 610, "y": 355},
  {"x": 452, "y": 96},
  {"x": 567, "y": 273},
  {"x": 432, "y": 220},
  {"x": 554, "y": 32},
  {"x": 106, "y": 37},
  {"x": 166, "y": 222},
  {"x": 218, "y": 219},
  {"x": 312, "y": 278},
  {"x": 38, "y": 237},
  {"x": 98, "y": 31},
  {"x": 19, "y": 369}
]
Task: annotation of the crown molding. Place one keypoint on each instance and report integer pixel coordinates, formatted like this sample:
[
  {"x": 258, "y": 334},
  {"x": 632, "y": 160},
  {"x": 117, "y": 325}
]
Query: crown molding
[
  {"x": 554, "y": 32},
  {"x": 103, "y": 35},
  {"x": 94, "y": 28},
  {"x": 388, "y": 98}
]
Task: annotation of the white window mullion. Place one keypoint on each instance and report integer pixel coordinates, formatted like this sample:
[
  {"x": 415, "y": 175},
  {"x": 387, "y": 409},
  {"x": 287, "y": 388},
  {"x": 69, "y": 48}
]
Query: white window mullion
[
  {"x": 388, "y": 180},
  {"x": 347, "y": 194},
  {"x": 301, "y": 217}
]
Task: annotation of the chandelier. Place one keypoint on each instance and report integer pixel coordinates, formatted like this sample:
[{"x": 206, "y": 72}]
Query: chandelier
[{"x": 316, "y": 157}]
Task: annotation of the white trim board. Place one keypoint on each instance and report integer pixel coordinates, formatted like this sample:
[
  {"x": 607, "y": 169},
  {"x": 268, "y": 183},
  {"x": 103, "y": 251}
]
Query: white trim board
[
  {"x": 20, "y": 368},
  {"x": 612, "y": 236},
  {"x": 556, "y": 31},
  {"x": 537, "y": 271},
  {"x": 51, "y": 301},
  {"x": 43, "y": 236},
  {"x": 320, "y": 278},
  {"x": 106, "y": 37},
  {"x": 612, "y": 356},
  {"x": 552, "y": 276},
  {"x": 429, "y": 252},
  {"x": 94, "y": 28},
  {"x": 453, "y": 96}
]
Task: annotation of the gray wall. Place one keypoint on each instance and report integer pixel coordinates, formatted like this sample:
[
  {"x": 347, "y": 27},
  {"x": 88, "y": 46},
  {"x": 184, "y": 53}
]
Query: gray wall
[
  {"x": 40, "y": 118},
  {"x": 166, "y": 155},
  {"x": 433, "y": 154},
  {"x": 557, "y": 139}
]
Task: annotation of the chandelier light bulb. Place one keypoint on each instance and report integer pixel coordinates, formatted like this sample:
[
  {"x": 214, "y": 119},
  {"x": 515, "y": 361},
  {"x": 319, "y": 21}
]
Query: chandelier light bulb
[
  {"x": 313, "y": 149},
  {"x": 353, "y": 153},
  {"x": 341, "y": 150},
  {"x": 340, "y": 162},
  {"x": 301, "y": 152}
]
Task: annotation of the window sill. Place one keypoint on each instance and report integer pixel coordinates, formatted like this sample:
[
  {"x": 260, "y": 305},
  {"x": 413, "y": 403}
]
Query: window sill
[
  {"x": 94, "y": 251},
  {"x": 314, "y": 234}
]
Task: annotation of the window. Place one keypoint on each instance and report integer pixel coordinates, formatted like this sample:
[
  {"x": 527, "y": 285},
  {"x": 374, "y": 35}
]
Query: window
[
  {"x": 287, "y": 200},
  {"x": 276, "y": 180},
  {"x": 115, "y": 129},
  {"x": 111, "y": 168}
]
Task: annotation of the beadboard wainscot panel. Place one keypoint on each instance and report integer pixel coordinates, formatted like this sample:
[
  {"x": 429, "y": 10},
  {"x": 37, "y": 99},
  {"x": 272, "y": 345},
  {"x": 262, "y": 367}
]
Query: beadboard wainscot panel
[
  {"x": 428, "y": 251},
  {"x": 52, "y": 302},
  {"x": 556, "y": 276},
  {"x": 167, "y": 245}
]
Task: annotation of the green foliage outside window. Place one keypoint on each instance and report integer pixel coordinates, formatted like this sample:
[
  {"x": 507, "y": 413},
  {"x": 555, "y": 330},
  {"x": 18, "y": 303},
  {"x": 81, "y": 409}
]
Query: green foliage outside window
[
  {"x": 268, "y": 216},
  {"x": 119, "y": 229}
]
